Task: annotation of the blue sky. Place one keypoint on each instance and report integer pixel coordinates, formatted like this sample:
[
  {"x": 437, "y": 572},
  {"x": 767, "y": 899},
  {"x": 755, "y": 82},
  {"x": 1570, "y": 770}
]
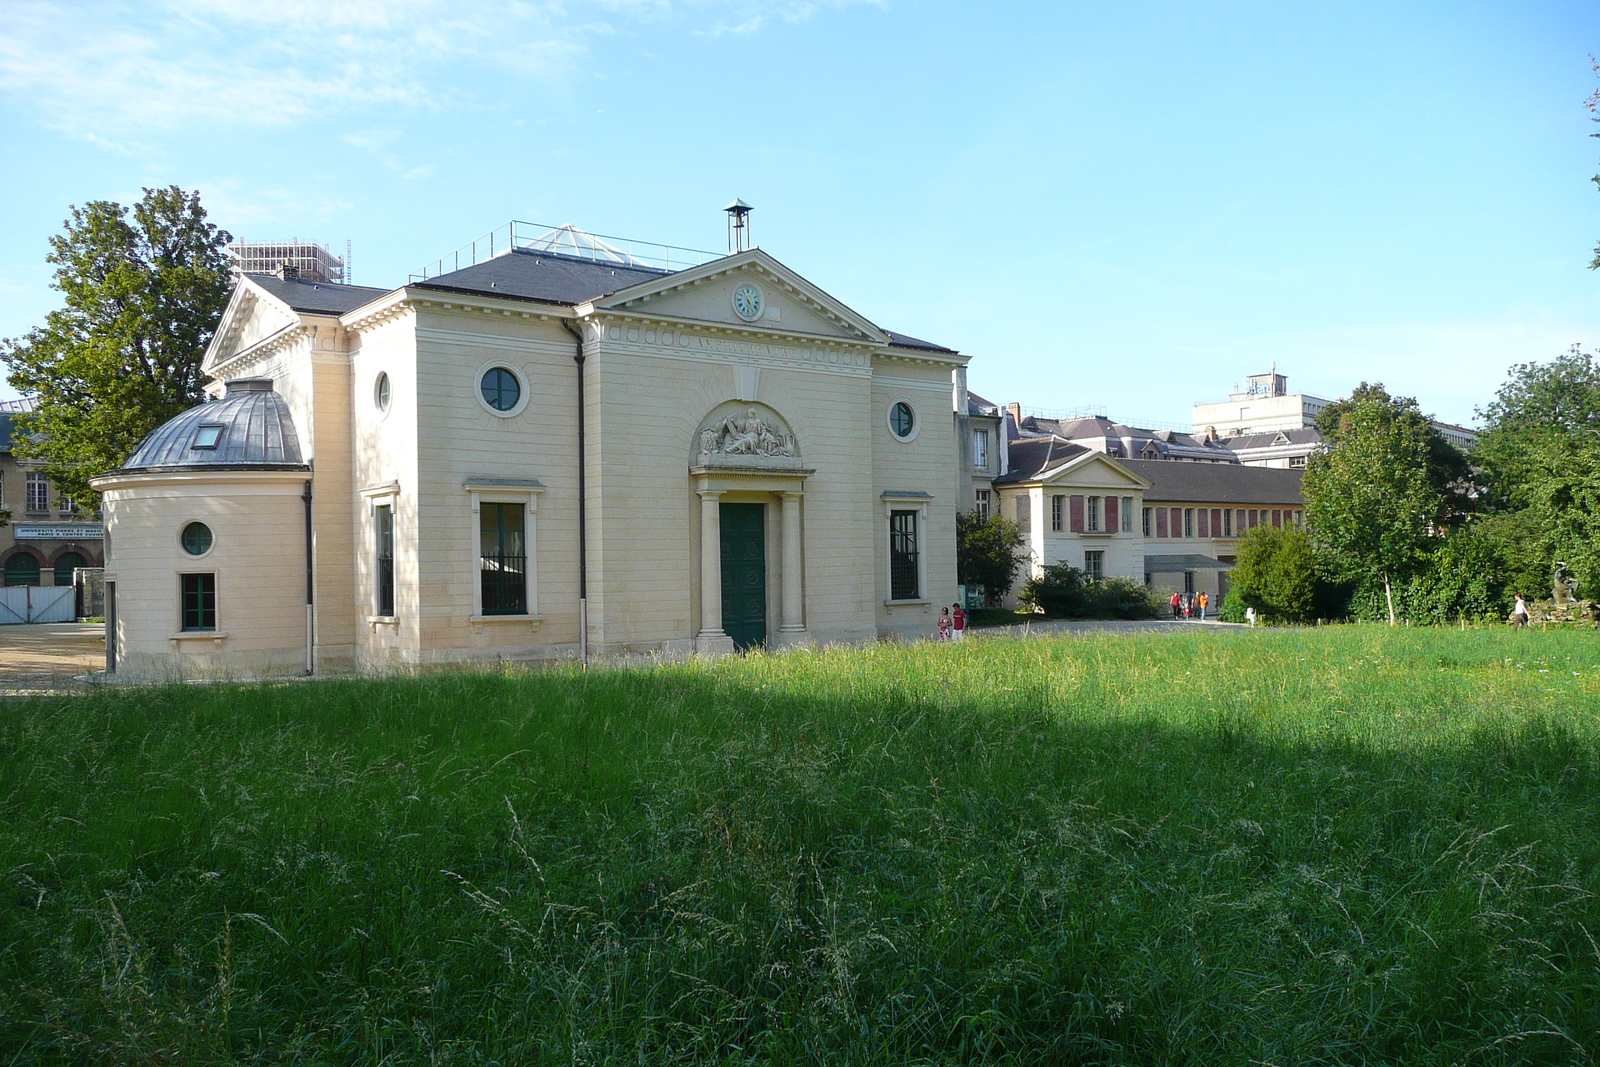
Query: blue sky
[{"x": 1129, "y": 205}]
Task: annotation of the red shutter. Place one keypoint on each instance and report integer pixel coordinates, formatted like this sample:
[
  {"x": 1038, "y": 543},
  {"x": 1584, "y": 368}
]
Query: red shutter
[
  {"x": 1177, "y": 522},
  {"x": 1205, "y": 524},
  {"x": 1077, "y": 514},
  {"x": 1111, "y": 514},
  {"x": 1216, "y": 522},
  {"x": 1161, "y": 522},
  {"x": 1238, "y": 523},
  {"x": 1253, "y": 514},
  {"x": 1277, "y": 519}
]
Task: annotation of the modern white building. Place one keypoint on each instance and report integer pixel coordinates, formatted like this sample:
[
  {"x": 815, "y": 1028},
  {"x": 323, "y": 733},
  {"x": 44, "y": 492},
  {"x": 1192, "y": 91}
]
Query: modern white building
[{"x": 542, "y": 454}]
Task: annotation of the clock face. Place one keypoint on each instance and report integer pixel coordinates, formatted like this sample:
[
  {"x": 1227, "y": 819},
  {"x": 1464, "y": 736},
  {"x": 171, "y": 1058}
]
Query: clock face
[{"x": 747, "y": 301}]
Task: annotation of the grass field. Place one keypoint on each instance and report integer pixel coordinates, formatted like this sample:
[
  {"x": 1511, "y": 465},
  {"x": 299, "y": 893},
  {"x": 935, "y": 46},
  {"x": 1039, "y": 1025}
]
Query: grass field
[{"x": 1335, "y": 846}]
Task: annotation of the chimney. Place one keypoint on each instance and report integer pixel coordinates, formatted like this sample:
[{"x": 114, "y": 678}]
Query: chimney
[
  {"x": 287, "y": 270},
  {"x": 1016, "y": 411}
]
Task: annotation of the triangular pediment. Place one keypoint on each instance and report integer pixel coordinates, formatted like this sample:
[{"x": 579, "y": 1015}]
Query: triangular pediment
[
  {"x": 252, "y": 316},
  {"x": 721, "y": 292},
  {"x": 1094, "y": 470}
]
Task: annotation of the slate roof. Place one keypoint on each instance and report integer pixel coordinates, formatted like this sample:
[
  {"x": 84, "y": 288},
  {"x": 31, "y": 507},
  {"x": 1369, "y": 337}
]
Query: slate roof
[
  {"x": 258, "y": 434},
  {"x": 1035, "y": 457},
  {"x": 552, "y": 278},
  {"x": 547, "y": 277},
  {"x": 1214, "y": 483},
  {"x": 317, "y": 298},
  {"x": 900, "y": 340},
  {"x": 977, "y": 405},
  {"x": 1306, "y": 435}
]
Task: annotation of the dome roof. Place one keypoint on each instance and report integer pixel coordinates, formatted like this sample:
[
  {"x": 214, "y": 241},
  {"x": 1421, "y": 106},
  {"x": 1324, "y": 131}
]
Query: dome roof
[{"x": 249, "y": 429}]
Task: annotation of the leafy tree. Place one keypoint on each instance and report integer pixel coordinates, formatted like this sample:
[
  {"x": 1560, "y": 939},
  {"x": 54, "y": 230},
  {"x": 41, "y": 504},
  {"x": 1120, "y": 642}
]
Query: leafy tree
[
  {"x": 1448, "y": 470},
  {"x": 1372, "y": 500},
  {"x": 1276, "y": 573},
  {"x": 988, "y": 553},
  {"x": 142, "y": 296},
  {"x": 1540, "y": 455}
]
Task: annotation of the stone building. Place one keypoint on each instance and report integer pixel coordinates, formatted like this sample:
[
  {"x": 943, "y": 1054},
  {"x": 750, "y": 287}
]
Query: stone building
[{"x": 540, "y": 455}]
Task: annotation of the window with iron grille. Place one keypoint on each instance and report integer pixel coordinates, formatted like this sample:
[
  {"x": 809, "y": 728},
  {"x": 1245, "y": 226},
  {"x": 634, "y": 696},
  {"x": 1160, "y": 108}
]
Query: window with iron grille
[
  {"x": 503, "y": 560},
  {"x": 903, "y": 582},
  {"x": 383, "y": 526},
  {"x": 199, "y": 601},
  {"x": 38, "y": 492}
]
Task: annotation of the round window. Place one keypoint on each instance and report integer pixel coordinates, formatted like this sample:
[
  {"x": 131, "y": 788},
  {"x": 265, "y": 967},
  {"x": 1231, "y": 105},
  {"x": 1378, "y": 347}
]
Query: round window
[
  {"x": 197, "y": 539},
  {"x": 902, "y": 420},
  {"x": 380, "y": 391},
  {"x": 500, "y": 389}
]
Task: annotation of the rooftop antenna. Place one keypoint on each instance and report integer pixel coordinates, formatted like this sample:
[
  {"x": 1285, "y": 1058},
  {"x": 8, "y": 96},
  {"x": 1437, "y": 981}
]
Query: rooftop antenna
[{"x": 738, "y": 226}]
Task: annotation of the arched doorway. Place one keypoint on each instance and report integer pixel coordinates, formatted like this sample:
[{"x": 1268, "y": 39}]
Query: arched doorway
[
  {"x": 22, "y": 569},
  {"x": 66, "y": 563}
]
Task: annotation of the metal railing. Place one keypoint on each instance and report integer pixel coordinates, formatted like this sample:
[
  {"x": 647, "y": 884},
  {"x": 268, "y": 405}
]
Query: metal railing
[{"x": 566, "y": 241}]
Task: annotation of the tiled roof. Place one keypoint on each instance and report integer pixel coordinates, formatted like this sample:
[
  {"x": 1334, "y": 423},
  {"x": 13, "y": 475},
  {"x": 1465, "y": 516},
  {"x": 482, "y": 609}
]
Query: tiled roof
[
  {"x": 257, "y": 433},
  {"x": 317, "y": 298},
  {"x": 1214, "y": 483}
]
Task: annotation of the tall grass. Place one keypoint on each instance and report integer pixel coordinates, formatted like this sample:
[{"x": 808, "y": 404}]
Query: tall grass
[{"x": 1333, "y": 846}]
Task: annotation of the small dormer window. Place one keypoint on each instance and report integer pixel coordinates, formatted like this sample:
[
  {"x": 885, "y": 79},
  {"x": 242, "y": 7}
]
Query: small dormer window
[{"x": 208, "y": 436}]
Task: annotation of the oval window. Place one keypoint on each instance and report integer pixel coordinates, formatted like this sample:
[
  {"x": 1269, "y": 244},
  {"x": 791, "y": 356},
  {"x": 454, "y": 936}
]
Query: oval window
[
  {"x": 197, "y": 539},
  {"x": 901, "y": 419},
  {"x": 500, "y": 388},
  {"x": 380, "y": 391}
]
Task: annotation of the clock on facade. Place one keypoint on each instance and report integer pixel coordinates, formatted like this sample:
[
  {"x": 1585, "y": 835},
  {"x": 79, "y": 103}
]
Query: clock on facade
[{"x": 747, "y": 302}]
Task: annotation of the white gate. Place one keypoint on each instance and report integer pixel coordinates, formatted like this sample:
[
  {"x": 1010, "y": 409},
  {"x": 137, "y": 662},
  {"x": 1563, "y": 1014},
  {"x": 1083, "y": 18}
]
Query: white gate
[{"x": 35, "y": 603}]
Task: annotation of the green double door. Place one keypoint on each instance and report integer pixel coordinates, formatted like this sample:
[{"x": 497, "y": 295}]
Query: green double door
[{"x": 744, "y": 574}]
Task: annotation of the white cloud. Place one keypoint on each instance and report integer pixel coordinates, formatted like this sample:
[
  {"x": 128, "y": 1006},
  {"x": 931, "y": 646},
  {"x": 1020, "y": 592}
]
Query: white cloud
[{"x": 118, "y": 72}]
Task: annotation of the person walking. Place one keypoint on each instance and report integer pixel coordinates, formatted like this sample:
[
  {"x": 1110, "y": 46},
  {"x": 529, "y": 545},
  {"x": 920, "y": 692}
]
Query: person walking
[
  {"x": 1205, "y": 599},
  {"x": 958, "y": 622},
  {"x": 944, "y": 624},
  {"x": 1519, "y": 614},
  {"x": 1177, "y": 606}
]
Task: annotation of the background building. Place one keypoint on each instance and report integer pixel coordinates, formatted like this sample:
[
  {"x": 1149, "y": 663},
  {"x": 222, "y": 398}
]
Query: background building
[
  {"x": 48, "y": 537},
  {"x": 313, "y": 262}
]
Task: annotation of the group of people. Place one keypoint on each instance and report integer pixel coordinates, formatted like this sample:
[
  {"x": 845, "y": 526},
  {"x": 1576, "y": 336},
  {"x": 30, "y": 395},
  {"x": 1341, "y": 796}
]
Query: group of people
[
  {"x": 952, "y": 623},
  {"x": 1190, "y": 605}
]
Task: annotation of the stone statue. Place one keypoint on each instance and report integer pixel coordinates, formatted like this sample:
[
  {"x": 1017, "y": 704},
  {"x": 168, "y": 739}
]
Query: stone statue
[
  {"x": 1564, "y": 587},
  {"x": 745, "y": 435}
]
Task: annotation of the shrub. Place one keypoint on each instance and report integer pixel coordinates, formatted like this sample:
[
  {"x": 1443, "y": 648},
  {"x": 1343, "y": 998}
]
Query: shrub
[
  {"x": 988, "y": 553},
  {"x": 1065, "y": 592},
  {"x": 1276, "y": 573}
]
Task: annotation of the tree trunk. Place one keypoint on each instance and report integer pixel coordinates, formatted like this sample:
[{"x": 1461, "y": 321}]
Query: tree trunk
[{"x": 1388, "y": 595}]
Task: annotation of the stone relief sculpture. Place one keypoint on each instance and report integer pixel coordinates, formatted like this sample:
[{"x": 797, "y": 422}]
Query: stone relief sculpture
[{"x": 746, "y": 435}]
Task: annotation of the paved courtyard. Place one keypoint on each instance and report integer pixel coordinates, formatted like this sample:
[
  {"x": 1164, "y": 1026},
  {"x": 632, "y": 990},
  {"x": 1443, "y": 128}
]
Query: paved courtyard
[{"x": 47, "y": 656}]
